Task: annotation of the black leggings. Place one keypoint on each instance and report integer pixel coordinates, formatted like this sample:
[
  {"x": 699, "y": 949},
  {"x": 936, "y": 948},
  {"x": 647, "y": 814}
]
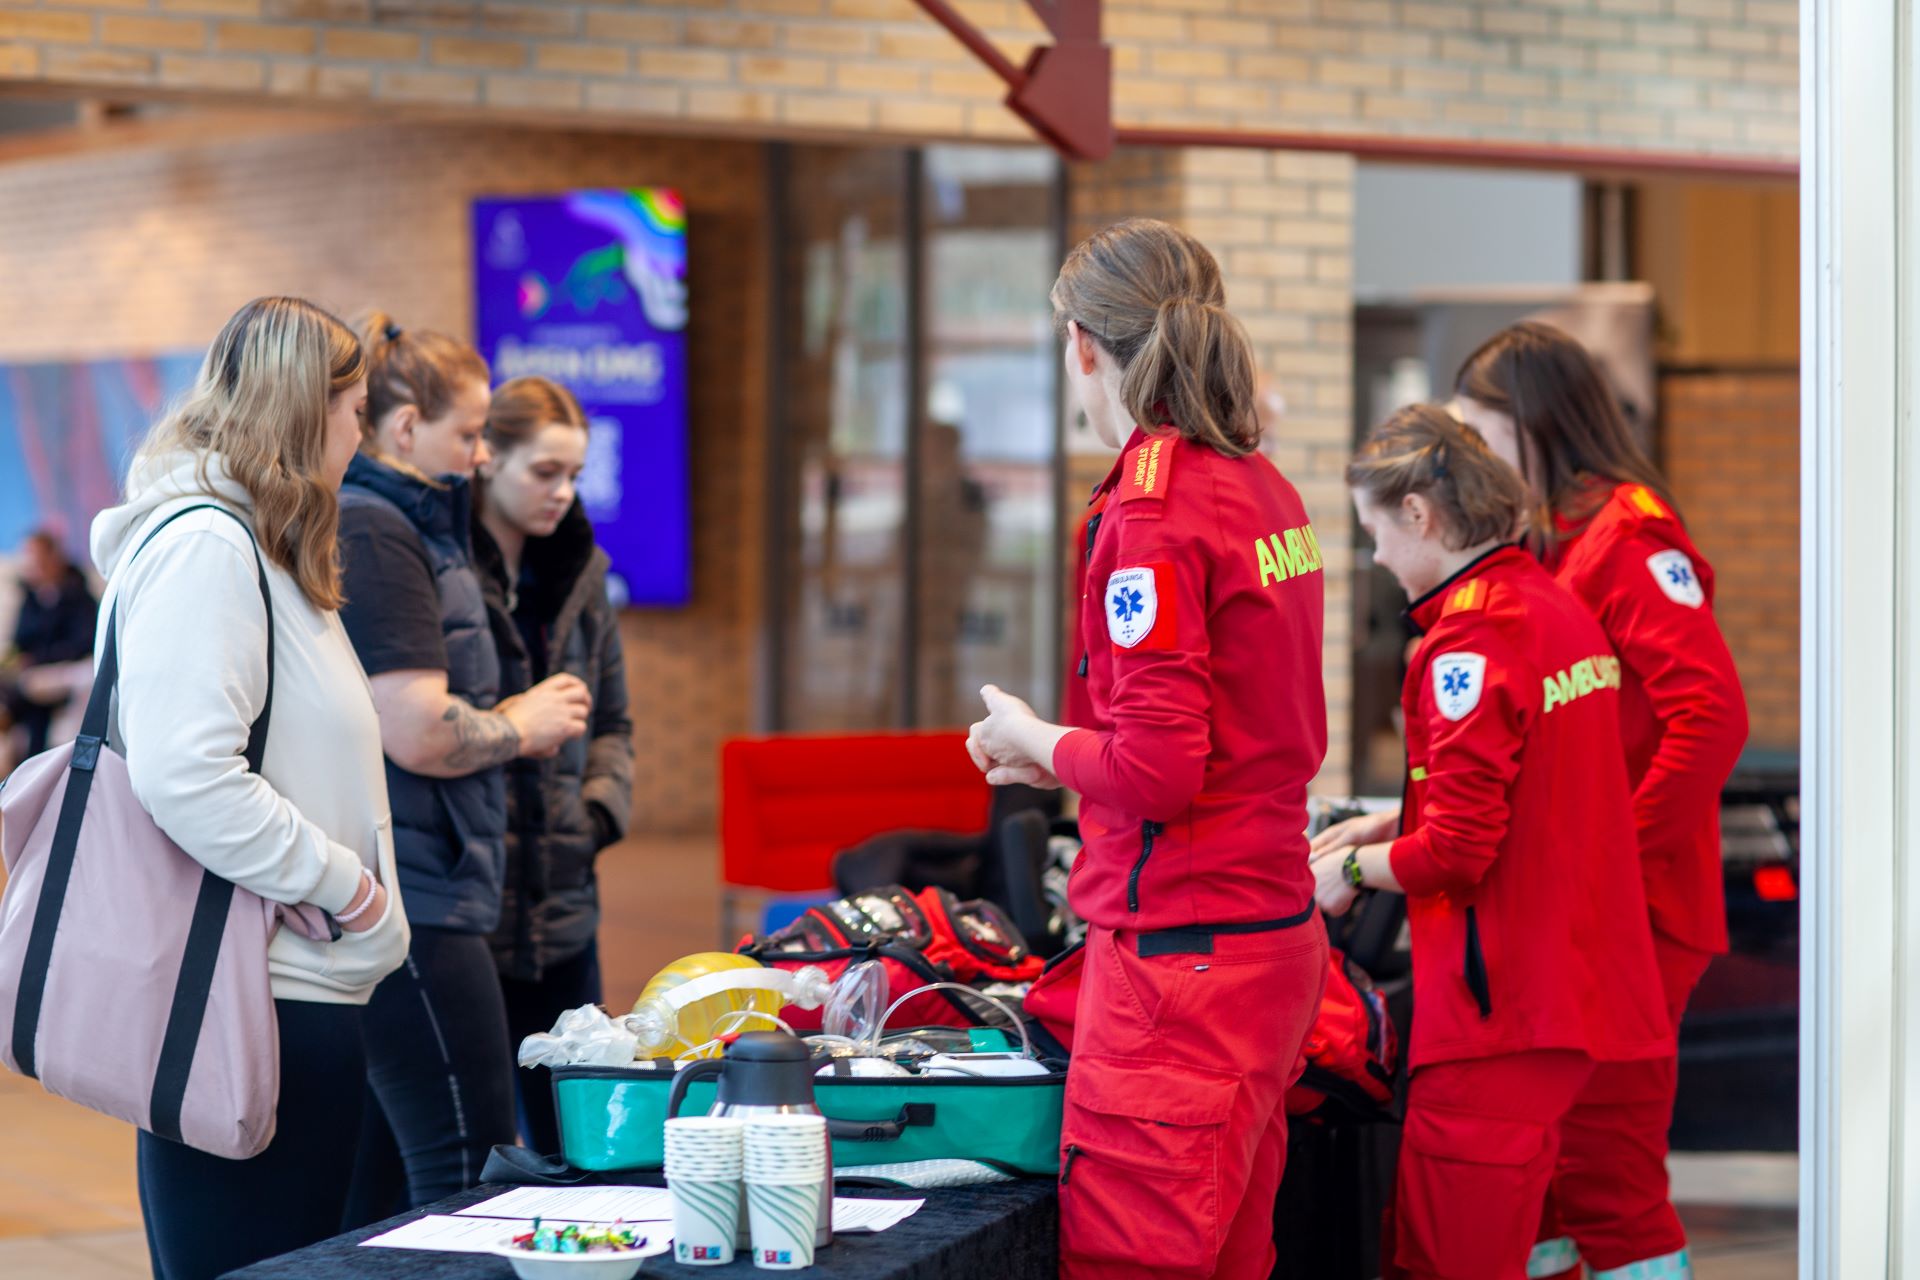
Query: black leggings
[
  {"x": 207, "y": 1215},
  {"x": 441, "y": 1075},
  {"x": 536, "y": 1006}
]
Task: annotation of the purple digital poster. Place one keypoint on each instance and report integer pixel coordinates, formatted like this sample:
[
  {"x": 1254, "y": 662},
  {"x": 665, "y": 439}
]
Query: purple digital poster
[{"x": 589, "y": 289}]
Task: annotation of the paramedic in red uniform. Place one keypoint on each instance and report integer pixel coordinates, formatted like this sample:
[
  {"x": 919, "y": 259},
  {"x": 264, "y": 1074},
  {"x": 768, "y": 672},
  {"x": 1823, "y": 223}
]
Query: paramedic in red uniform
[
  {"x": 1532, "y": 960},
  {"x": 1612, "y": 537},
  {"x": 1201, "y": 629}
]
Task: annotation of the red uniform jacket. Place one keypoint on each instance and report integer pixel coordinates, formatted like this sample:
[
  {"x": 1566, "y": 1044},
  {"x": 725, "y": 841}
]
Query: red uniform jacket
[
  {"x": 1201, "y": 619},
  {"x": 1682, "y": 714},
  {"x": 1523, "y": 889}
]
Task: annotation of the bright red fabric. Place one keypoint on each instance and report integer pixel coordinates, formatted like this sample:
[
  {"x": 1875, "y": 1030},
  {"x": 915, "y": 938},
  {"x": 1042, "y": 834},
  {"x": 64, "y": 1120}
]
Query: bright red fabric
[
  {"x": 1207, "y": 726},
  {"x": 1683, "y": 716},
  {"x": 1529, "y": 921},
  {"x": 1175, "y": 1133}
]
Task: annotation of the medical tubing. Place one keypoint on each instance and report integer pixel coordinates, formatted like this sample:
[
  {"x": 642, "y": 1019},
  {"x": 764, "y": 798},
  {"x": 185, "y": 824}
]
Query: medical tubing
[
  {"x": 1019, "y": 1024},
  {"x": 719, "y": 1033}
]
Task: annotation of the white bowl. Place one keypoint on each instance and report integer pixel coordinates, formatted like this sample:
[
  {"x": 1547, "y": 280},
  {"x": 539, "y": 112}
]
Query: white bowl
[{"x": 585, "y": 1266}]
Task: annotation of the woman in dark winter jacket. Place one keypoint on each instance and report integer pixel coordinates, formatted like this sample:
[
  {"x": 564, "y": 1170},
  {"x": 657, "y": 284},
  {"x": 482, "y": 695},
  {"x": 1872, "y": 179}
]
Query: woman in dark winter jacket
[{"x": 546, "y": 589}]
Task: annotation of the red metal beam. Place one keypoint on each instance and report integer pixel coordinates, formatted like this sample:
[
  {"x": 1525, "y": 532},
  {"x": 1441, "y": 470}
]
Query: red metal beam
[
  {"x": 1063, "y": 94},
  {"x": 1466, "y": 152}
]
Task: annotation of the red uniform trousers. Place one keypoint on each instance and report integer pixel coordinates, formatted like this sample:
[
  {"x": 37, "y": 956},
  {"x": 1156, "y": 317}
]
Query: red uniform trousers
[
  {"x": 1175, "y": 1133},
  {"x": 1610, "y": 1187},
  {"x": 1476, "y": 1156}
]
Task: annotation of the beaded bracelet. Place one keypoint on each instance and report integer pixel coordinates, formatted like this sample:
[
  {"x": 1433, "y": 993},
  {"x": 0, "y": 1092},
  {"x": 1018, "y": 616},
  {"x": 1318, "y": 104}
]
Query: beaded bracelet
[{"x": 350, "y": 916}]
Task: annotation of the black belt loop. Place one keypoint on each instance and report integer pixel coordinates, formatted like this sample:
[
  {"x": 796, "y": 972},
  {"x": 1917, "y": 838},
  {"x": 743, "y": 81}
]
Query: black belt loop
[{"x": 1197, "y": 939}]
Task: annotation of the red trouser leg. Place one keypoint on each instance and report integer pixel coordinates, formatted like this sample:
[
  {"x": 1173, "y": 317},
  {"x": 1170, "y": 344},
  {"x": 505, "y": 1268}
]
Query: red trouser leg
[
  {"x": 1475, "y": 1160},
  {"x": 1610, "y": 1187},
  {"x": 1175, "y": 1132}
]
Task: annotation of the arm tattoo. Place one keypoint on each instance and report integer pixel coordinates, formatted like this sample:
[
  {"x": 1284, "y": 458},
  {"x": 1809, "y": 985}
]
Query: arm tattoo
[{"x": 482, "y": 738}]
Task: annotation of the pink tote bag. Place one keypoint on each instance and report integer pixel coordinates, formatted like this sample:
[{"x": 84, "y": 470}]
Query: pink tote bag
[{"x": 133, "y": 981}]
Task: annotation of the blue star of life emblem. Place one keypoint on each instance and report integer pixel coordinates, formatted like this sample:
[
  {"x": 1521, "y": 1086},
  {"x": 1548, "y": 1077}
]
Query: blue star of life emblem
[
  {"x": 1680, "y": 575},
  {"x": 1456, "y": 682},
  {"x": 1126, "y": 604}
]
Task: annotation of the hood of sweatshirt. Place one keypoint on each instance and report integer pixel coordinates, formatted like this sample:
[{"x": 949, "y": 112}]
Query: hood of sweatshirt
[{"x": 153, "y": 483}]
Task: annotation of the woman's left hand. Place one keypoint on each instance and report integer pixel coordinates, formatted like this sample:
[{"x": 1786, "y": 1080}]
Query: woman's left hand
[{"x": 1331, "y": 889}]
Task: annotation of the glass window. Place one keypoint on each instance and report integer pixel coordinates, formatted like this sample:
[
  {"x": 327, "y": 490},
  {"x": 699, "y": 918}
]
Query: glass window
[{"x": 909, "y": 277}]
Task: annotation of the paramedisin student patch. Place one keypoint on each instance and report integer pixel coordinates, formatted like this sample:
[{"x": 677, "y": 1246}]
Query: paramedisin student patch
[
  {"x": 1133, "y": 604},
  {"x": 1458, "y": 679},
  {"x": 1674, "y": 572}
]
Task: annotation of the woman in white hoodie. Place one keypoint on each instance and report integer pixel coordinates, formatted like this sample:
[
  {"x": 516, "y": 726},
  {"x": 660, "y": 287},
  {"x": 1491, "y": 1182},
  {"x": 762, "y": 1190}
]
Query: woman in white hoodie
[{"x": 267, "y": 434}]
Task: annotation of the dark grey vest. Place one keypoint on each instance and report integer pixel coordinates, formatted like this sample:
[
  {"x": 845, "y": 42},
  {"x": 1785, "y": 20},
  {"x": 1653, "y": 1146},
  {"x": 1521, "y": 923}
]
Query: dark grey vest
[{"x": 448, "y": 833}]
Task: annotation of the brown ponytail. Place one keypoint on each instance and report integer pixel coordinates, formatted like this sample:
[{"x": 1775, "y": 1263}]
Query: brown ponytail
[
  {"x": 1560, "y": 402},
  {"x": 1422, "y": 450},
  {"x": 1150, "y": 295},
  {"x": 419, "y": 367}
]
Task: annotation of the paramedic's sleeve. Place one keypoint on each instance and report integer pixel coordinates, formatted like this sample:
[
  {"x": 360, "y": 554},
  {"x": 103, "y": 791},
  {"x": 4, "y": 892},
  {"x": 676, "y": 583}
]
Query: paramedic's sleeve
[
  {"x": 1154, "y": 759},
  {"x": 1471, "y": 764},
  {"x": 1676, "y": 651}
]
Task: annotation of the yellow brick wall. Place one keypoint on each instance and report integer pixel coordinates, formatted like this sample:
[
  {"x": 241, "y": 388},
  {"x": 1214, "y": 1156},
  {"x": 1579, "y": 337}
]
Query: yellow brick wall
[
  {"x": 1730, "y": 445},
  {"x": 1680, "y": 75},
  {"x": 1281, "y": 225},
  {"x": 150, "y": 248}
]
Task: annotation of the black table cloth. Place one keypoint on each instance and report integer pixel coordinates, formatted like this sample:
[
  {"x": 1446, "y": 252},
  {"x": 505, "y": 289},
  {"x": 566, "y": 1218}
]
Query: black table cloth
[{"x": 1007, "y": 1231}]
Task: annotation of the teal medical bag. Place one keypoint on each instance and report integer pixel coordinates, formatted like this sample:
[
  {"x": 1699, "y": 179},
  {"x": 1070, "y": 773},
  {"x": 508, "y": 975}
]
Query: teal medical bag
[{"x": 613, "y": 1118}]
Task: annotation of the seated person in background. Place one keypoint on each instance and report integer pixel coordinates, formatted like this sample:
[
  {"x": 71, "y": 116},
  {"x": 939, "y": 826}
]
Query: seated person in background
[{"x": 55, "y": 627}]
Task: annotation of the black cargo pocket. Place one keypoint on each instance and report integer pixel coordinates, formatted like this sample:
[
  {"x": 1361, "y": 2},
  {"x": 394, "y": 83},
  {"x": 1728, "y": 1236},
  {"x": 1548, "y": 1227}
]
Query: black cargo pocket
[{"x": 1141, "y": 1160}]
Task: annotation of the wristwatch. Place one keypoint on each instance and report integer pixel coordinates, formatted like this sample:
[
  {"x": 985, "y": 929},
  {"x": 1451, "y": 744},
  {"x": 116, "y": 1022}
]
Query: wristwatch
[{"x": 1351, "y": 870}]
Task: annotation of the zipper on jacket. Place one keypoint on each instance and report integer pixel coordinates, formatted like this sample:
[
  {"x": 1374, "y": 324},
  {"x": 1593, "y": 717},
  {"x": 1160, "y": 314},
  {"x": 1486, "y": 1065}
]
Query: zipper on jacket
[
  {"x": 1148, "y": 830},
  {"x": 1093, "y": 527},
  {"x": 1066, "y": 1166},
  {"x": 1476, "y": 967}
]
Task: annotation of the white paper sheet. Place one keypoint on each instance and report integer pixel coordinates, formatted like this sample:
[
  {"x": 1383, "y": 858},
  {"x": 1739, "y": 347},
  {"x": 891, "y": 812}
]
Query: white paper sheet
[
  {"x": 655, "y": 1204},
  {"x": 871, "y": 1215},
  {"x": 450, "y": 1234},
  {"x": 578, "y": 1204}
]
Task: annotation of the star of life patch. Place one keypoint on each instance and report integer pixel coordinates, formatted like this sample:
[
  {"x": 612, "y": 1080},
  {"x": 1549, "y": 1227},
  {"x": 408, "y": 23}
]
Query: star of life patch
[
  {"x": 1132, "y": 605},
  {"x": 1458, "y": 679},
  {"x": 1674, "y": 572}
]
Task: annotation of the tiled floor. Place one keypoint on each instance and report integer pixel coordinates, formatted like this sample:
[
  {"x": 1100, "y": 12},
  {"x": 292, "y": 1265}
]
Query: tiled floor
[{"x": 67, "y": 1202}]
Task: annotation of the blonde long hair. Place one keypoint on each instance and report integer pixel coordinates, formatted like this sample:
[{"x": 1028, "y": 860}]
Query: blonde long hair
[
  {"x": 261, "y": 404},
  {"x": 1151, "y": 296}
]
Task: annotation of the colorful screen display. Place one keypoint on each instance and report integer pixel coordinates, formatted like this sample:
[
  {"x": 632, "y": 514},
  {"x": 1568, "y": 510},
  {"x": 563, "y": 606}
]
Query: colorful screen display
[{"x": 590, "y": 289}]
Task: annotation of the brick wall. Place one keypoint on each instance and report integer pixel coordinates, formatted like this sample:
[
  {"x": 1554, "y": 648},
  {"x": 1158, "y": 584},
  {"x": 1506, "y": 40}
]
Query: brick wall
[
  {"x": 1731, "y": 449},
  {"x": 1281, "y": 225},
  {"x": 1686, "y": 75},
  {"x": 150, "y": 248}
]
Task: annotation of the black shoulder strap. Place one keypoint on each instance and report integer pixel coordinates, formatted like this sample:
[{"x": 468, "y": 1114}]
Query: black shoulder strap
[{"x": 208, "y": 924}]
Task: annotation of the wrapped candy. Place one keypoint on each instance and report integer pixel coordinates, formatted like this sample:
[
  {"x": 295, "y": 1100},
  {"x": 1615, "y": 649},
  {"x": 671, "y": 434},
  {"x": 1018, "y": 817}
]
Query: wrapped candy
[{"x": 572, "y": 1237}]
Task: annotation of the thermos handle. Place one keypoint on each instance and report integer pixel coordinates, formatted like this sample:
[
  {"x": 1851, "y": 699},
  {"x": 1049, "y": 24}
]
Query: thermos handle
[
  {"x": 685, "y": 1076},
  {"x": 914, "y": 1114}
]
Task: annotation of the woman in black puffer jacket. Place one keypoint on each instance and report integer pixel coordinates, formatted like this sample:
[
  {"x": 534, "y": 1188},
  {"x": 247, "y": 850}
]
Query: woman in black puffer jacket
[{"x": 545, "y": 583}]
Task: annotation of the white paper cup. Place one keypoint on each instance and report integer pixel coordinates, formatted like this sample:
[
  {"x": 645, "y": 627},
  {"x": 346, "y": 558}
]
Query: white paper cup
[
  {"x": 785, "y": 1123},
  {"x": 706, "y": 1220},
  {"x": 782, "y": 1218},
  {"x": 809, "y": 1166},
  {"x": 702, "y": 1173},
  {"x": 704, "y": 1134}
]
